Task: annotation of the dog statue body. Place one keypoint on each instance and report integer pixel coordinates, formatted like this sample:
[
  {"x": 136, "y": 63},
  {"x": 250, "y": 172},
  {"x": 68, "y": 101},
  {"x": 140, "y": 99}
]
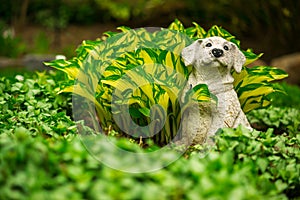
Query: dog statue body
[{"x": 212, "y": 60}]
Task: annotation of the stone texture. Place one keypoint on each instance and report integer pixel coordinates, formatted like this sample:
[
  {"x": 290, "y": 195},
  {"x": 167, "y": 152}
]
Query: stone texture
[
  {"x": 30, "y": 62},
  {"x": 10, "y": 62},
  {"x": 35, "y": 61},
  {"x": 291, "y": 64},
  {"x": 212, "y": 69}
]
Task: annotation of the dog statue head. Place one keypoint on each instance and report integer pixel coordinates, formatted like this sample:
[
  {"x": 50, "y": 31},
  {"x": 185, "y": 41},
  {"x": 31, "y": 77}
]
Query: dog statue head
[{"x": 213, "y": 52}]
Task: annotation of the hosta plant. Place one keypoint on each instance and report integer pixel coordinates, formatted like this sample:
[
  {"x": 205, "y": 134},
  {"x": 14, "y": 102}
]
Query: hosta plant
[{"x": 135, "y": 77}]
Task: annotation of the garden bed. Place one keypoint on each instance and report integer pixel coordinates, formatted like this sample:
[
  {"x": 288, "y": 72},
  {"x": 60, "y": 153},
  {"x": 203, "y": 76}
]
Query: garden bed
[
  {"x": 43, "y": 157},
  {"x": 46, "y": 152}
]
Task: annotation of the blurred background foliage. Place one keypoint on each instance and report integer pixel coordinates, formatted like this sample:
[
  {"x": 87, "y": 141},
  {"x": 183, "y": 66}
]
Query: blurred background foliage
[{"x": 263, "y": 24}]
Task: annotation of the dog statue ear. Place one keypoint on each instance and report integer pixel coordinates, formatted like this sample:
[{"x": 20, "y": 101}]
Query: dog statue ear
[
  {"x": 239, "y": 59},
  {"x": 188, "y": 53}
]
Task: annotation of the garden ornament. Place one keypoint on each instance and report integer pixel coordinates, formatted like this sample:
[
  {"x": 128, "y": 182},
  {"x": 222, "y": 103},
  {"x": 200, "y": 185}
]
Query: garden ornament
[{"x": 212, "y": 60}]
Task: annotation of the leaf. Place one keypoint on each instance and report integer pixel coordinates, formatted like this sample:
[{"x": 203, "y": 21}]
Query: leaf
[
  {"x": 262, "y": 163},
  {"x": 124, "y": 28},
  {"x": 280, "y": 185},
  {"x": 110, "y": 33},
  {"x": 77, "y": 89},
  {"x": 145, "y": 111},
  {"x": 199, "y": 31},
  {"x": 250, "y": 56},
  {"x": 176, "y": 25}
]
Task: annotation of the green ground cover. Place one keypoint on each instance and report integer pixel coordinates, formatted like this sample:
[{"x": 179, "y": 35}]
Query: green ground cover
[{"x": 42, "y": 156}]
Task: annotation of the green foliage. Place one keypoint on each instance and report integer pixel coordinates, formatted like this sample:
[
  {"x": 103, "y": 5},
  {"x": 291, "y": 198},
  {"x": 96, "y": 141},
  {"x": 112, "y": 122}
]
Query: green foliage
[
  {"x": 33, "y": 103},
  {"x": 277, "y": 17},
  {"x": 291, "y": 98},
  {"x": 41, "y": 43},
  {"x": 244, "y": 165},
  {"x": 54, "y": 163},
  {"x": 126, "y": 9},
  {"x": 283, "y": 119},
  {"x": 274, "y": 157},
  {"x": 283, "y": 115},
  {"x": 139, "y": 69},
  {"x": 10, "y": 46},
  {"x": 56, "y": 16},
  {"x": 254, "y": 87}
]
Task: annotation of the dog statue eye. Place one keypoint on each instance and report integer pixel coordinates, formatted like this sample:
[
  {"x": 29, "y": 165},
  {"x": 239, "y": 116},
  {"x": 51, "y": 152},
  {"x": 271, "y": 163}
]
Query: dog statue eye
[
  {"x": 226, "y": 48},
  {"x": 208, "y": 44}
]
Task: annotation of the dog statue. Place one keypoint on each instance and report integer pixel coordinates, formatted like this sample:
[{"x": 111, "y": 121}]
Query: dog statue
[{"x": 212, "y": 59}]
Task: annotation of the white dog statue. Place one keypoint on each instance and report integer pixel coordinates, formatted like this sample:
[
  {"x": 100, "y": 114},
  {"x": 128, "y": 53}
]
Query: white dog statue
[{"x": 212, "y": 59}]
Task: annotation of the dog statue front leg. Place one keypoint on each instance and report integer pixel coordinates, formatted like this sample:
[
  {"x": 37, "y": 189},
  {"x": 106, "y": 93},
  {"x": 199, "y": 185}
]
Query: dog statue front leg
[
  {"x": 196, "y": 122},
  {"x": 241, "y": 119}
]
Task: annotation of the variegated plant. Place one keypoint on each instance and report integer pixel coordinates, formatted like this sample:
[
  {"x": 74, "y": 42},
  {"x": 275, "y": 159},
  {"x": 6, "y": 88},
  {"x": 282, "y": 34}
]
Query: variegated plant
[{"x": 141, "y": 72}]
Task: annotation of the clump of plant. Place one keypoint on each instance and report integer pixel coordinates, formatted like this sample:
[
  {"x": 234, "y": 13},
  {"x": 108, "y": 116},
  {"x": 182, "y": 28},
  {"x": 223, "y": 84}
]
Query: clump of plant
[
  {"x": 137, "y": 69},
  {"x": 31, "y": 102},
  {"x": 274, "y": 157},
  {"x": 282, "y": 119},
  {"x": 244, "y": 165}
]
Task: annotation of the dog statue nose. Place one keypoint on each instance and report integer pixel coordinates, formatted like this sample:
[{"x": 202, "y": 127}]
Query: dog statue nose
[{"x": 217, "y": 52}]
